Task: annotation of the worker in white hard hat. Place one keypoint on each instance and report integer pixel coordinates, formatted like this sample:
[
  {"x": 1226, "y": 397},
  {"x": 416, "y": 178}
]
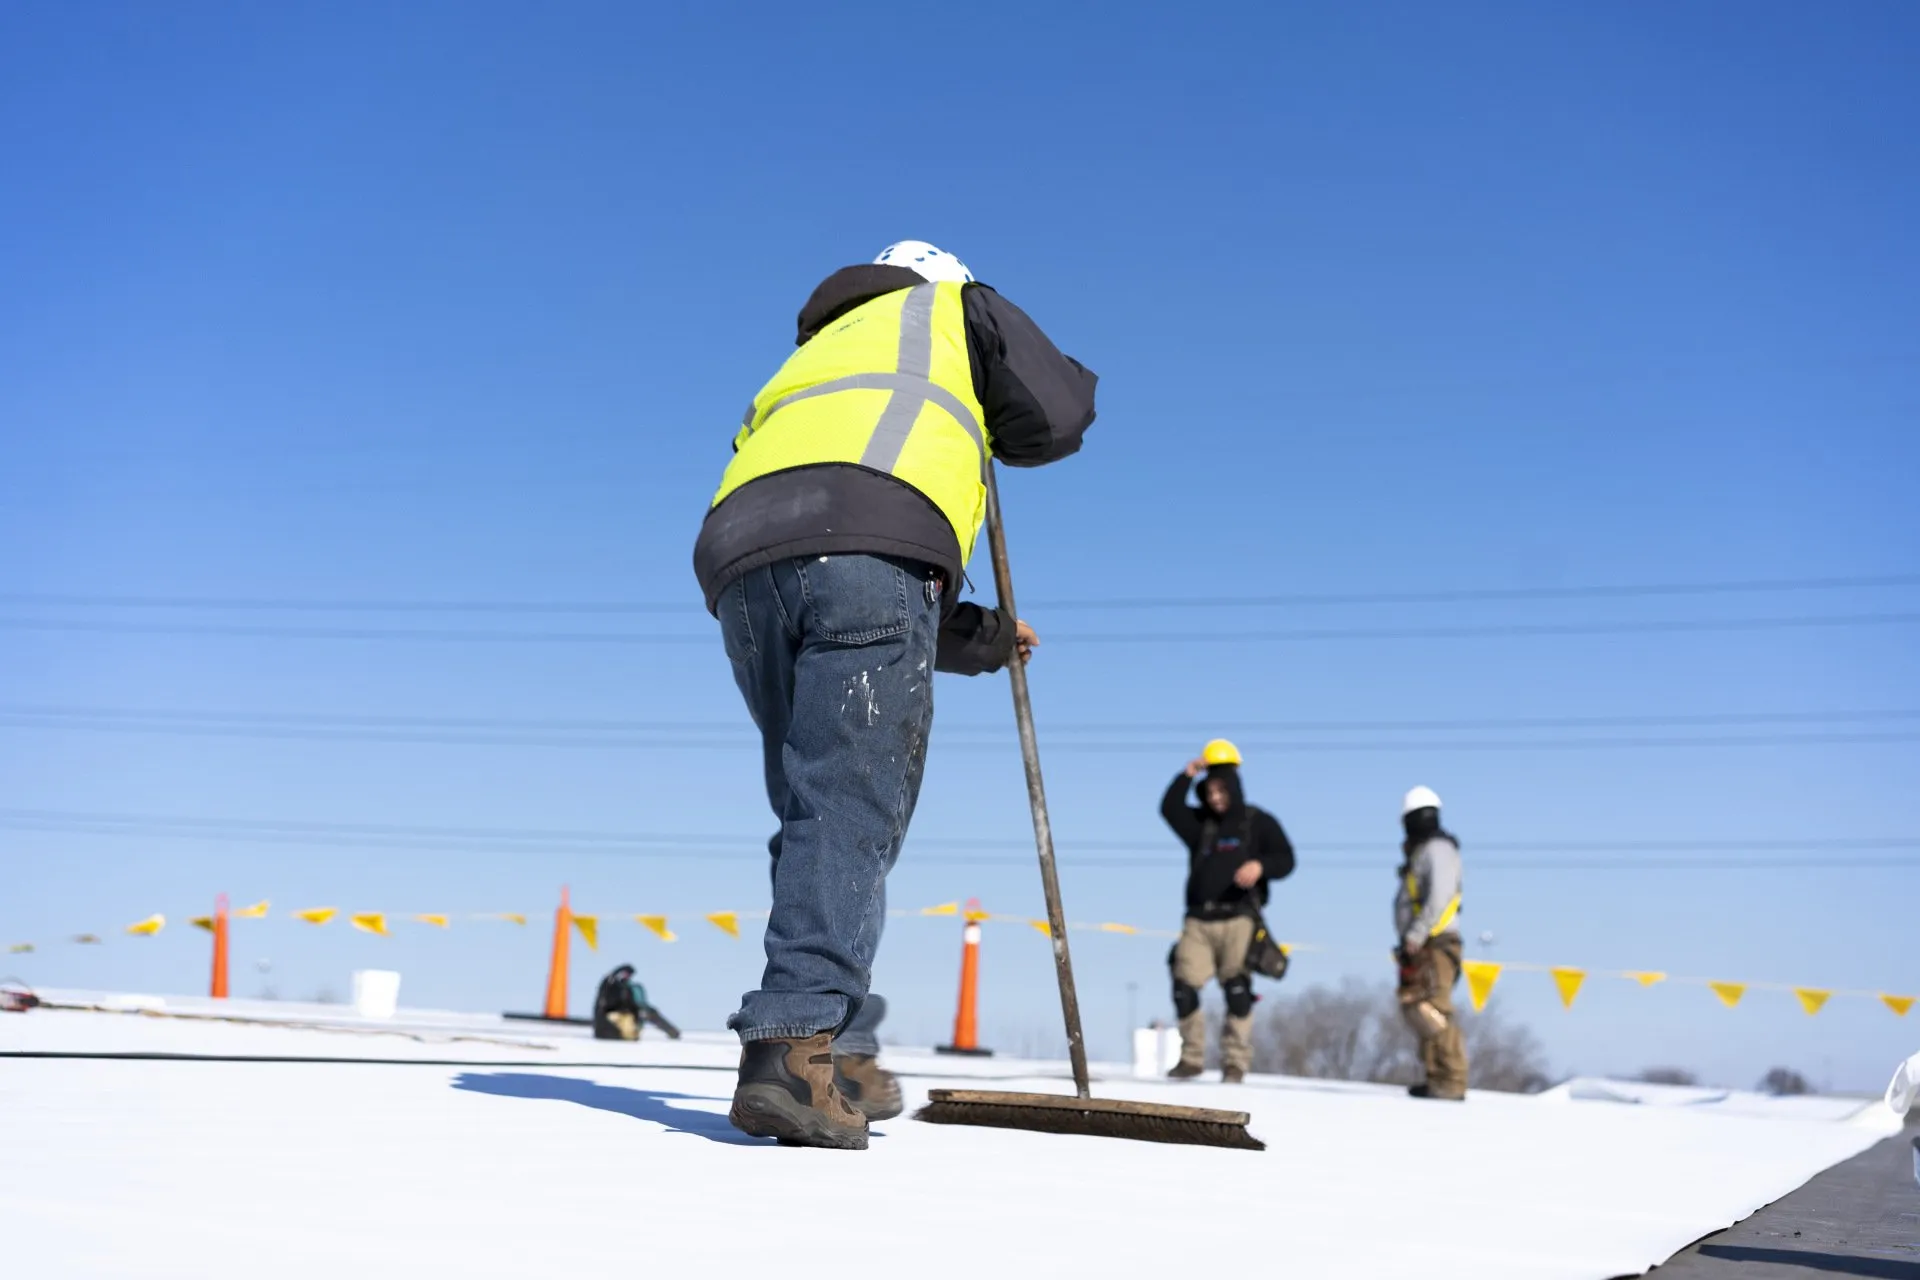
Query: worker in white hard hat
[
  {"x": 1426, "y": 918},
  {"x": 833, "y": 555},
  {"x": 1233, "y": 851}
]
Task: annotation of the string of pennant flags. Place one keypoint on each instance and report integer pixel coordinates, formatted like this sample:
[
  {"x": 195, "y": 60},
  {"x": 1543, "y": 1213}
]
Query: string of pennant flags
[{"x": 1481, "y": 975}]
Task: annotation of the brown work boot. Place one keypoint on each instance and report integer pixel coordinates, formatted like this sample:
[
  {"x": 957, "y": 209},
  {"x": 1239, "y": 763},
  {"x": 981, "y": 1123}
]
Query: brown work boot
[
  {"x": 1185, "y": 1071},
  {"x": 1426, "y": 1091},
  {"x": 786, "y": 1091},
  {"x": 1232, "y": 1075},
  {"x": 871, "y": 1089}
]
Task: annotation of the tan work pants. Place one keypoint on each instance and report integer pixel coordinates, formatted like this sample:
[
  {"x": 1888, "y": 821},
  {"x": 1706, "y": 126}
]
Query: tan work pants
[
  {"x": 1210, "y": 949},
  {"x": 1443, "y": 1051}
]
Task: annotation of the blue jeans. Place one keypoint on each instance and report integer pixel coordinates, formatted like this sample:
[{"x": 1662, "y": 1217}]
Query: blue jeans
[
  {"x": 862, "y": 1036},
  {"x": 834, "y": 656}
]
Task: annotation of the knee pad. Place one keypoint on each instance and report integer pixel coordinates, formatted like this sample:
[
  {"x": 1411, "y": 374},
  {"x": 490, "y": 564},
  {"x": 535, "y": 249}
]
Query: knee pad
[
  {"x": 1185, "y": 999},
  {"x": 1239, "y": 993}
]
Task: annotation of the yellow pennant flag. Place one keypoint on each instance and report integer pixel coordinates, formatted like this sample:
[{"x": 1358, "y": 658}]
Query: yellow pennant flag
[
  {"x": 727, "y": 922},
  {"x": 1568, "y": 980},
  {"x": 657, "y": 925},
  {"x": 944, "y": 909},
  {"x": 1729, "y": 992},
  {"x": 1646, "y": 977},
  {"x": 148, "y": 927},
  {"x": 370, "y": 922},
  {"x": 1042, "y": 926},
  {"x": 23, "y": 948},
  {"x": 202, "y": 922},
  {"x": 974, "y": 915},
  {"x": 589, "y": 927},
  {"x": 87, "y": 939},
  {"x": 1811, "y": 1000},
  {"x": 1899, "y": 1004},
  {"x": 432, "y": 918},
  {"x": 1118, "y": 928},
  {"x": 512, "y": 917},
  {"x": 258, "y": 911},
  {"x": 1481, "y": 975},
  {"x": 317, "y": 915}
]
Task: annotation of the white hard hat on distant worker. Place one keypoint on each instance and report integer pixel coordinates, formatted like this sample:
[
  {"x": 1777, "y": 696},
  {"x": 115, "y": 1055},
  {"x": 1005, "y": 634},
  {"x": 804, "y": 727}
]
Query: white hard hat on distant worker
[
  {"x": 1419, "y": 798},
  {"x": 1220, "y": 751},
  {"x": 932, "y": 264}
]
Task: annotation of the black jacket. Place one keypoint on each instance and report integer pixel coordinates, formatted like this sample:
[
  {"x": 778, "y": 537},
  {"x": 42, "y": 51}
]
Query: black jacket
[
  {"x": 1038, "y": 404},
  {"x": 1217, "y": 846}
]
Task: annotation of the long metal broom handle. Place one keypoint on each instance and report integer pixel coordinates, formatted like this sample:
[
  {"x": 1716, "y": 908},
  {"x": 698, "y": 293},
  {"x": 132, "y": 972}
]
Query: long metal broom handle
[{"x": 1037, "y": 797}]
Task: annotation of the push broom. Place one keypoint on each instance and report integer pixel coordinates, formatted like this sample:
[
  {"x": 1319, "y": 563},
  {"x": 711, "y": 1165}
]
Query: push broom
[{"x": 1048, "y": 1112}]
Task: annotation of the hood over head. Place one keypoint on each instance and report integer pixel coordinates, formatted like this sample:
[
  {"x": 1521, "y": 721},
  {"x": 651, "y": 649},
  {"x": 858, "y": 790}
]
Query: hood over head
[
  {"x": 846, "y": 289},
  {"x": 1229, "y": 775}
]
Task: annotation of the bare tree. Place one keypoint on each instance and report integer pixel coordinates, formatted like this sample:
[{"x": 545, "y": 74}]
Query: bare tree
[
  {"x": 1349, "y": 1032},
  {"x": 1784, "y": 1082},
  {"x": 1354, "y": 1032},
  {"x": 1503, "y": 1056},
  {"x": 1667, "y": 1075}
]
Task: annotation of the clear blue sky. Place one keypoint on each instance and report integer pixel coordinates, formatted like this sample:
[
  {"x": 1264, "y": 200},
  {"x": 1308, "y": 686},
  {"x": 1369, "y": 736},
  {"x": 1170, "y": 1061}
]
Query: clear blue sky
[{"x": 459, "y": 301}]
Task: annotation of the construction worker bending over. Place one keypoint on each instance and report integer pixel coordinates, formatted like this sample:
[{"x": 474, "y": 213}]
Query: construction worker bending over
[
  {"x": 621, "y": 1008},
  {"x": 1426, "y": 915},
  {"x": 1233, "y": 850},
  {"x": 833, "y": 555}
]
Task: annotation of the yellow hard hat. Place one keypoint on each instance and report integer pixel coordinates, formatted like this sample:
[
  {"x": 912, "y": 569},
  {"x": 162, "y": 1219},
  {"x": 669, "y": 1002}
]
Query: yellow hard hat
[{"x": 1220, "y": 751}]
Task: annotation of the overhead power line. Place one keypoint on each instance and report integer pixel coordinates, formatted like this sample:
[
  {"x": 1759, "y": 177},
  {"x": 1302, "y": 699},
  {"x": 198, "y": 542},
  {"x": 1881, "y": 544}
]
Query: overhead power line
[
  {"x": 1423, "y": 633},
  {"x": 950, "y": 850},
  {"x": 739, "y": 741},
  {"x": 53, "y": 712},
  {"x": 1169, "y": 866},
  {"x": 282, "y": 604}
]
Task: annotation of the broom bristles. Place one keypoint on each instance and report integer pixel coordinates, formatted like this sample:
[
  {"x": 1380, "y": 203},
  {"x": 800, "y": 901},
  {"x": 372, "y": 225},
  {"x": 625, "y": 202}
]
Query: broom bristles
[{"x": 1102, "y": 1118}]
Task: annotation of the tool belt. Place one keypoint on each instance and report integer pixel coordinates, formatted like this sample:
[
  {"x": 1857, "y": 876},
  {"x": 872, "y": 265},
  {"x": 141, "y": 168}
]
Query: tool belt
[
  {"x": 1212, "y": 912},
  {"x": 1265, "y": 956},
  {"x": 1419, "y": 984},
  {"x": 1415, "y": 993}
]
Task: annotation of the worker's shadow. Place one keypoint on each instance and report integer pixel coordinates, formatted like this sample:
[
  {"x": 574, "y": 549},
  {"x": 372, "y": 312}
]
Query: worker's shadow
[
  {"x": 641, "y": 1104},
  {"x": 1835, "y": 1263}
]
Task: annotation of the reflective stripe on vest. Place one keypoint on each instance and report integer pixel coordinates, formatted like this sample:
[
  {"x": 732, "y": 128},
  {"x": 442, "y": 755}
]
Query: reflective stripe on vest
[
  {"x": 805, "y": 414},
  {"x": 1446, "y": 917}
]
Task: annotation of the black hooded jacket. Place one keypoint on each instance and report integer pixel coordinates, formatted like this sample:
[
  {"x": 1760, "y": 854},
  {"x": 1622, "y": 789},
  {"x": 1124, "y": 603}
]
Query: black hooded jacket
[
  {"x": 1219, "y": 844},
  {"x": 1038, "y": 404}
]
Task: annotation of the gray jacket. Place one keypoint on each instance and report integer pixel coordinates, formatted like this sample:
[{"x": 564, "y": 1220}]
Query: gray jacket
[{"x": 1429, "y": 882}]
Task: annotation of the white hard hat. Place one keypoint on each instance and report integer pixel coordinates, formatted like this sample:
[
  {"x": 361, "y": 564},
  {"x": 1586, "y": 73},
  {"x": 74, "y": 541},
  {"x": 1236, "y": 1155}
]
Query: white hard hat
[
  {"x": 1419, "y": 798},
  {"x": 931, "y": 263}
]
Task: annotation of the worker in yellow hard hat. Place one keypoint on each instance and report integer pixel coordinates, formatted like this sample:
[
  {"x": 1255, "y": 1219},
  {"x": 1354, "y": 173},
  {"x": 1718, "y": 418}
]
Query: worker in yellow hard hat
[{"x": 1233, "y": 851}]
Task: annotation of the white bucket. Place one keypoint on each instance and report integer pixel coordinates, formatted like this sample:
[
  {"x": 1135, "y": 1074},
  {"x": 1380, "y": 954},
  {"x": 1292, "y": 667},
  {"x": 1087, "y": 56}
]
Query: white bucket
[
  {"x": 1155, "y": 1051},
  {"x": 376, "y": 992}
]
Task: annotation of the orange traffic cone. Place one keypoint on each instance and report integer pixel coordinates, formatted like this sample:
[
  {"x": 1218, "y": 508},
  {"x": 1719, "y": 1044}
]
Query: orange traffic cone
[
  {"x": 220, "y": 947},
  {"x": 965, "y": 1019},
  {"x": 556, "y": 1009}
]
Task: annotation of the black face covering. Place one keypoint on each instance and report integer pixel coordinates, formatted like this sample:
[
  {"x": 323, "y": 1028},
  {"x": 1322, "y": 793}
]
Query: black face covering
[
  {"x": 1236, "y": 801},
  {"x": 1421, "y": 825}
]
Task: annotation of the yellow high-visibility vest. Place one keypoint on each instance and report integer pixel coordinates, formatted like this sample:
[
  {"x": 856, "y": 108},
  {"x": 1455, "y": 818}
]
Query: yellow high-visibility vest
[
  {"x": 1446, "y": 917},
  {"x": 888, "y": 386}
]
